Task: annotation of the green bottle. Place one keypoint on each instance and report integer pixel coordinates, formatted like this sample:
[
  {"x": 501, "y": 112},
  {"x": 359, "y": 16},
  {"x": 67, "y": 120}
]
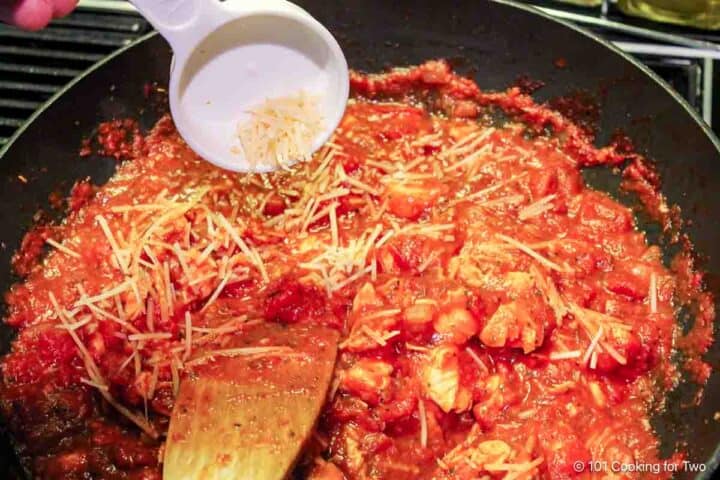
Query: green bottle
[{"x": 703, "y": 14}]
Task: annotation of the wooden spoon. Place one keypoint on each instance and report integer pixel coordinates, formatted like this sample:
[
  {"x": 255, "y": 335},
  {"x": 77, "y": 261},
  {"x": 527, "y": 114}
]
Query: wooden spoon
[{"x": 248, "y": 416}]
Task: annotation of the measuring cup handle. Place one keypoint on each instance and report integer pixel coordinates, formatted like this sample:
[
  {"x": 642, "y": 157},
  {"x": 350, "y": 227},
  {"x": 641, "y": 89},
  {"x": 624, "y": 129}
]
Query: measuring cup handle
[
  {"x": 170, "y": 17},
  {"x": 183, "y": 21}
]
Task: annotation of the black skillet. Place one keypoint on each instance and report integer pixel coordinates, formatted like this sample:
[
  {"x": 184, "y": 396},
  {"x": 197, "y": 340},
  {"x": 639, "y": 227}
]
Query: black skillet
[{"x": 496, "y": 42}]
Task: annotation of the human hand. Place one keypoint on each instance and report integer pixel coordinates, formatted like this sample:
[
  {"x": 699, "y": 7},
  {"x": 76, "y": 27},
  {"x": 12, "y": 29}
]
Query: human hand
[{"x": 34, "y": 14}]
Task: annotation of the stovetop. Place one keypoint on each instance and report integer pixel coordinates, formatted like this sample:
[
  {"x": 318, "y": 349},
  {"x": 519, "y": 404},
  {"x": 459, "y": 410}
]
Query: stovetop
[
  {"x": 685, "y": 57},
  {"x": 35, "y": 65}
]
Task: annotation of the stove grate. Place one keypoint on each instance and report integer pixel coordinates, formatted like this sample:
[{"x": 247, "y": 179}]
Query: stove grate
[{"x": 35, "y": 65}]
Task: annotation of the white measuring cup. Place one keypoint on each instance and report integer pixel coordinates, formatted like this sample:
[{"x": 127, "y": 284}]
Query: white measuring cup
[{"x": 232, "y": 55}]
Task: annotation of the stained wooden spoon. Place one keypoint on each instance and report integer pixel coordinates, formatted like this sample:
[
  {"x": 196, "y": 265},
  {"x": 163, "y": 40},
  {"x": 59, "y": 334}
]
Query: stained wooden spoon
[{"x": 247, "y": 416}]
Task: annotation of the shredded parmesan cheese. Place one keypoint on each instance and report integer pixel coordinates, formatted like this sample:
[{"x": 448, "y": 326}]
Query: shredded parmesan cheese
[
  {"x": 614, "y": 353},
  {"x": 188, "y": 335},
  {"x": 529, "y": 251},
  {"x": 593, "y": 344},
  {"x": 138, "y": 337},
  {"x": 478, "y": 361},
  {"x": 62, "y": 248},
  {"x": 537, "y": 208},
  {"x": 141, "y": 422},
  {"x": 281, "y": 131},
  {"x": 653, "y": 293},
  {"x": 113, "y": 243},
  {"x": 492, "y": 188},
  {"x": 218, "y": 291},
  {"x": 93, "y": 384},
  {"x": 423, "y": 423},
  {"x": 567, "y": 355}
]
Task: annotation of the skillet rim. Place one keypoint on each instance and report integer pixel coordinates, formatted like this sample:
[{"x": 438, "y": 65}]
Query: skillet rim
[
  {"x": 511, "y": 3},
  {"x": 713, "y": 462},
  {"x": 712, "y": 136},
  {"x": 41, "y": 109}
]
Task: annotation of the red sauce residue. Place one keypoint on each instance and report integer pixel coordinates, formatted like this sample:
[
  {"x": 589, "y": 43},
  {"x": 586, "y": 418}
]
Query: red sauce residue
[
  {"x": 80, "y": 194},
  {"x": 120, "y": 139},
  {"x": 699, "y": 370},
  {"x": 86, "y": 148},
  {"x": 56, "y": 199},
  {"x": 528, "y": 85},
  {"x": 692, "y": 292},
  {"x": 292, "y": 302},
  {"x": 580, "y": 107},
  {"x": 31, "y": 249},
  {"x": 497, "y": 314}
]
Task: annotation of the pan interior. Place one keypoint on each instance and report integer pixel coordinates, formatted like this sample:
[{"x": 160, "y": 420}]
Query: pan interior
[{"x": 495, "y": 43}]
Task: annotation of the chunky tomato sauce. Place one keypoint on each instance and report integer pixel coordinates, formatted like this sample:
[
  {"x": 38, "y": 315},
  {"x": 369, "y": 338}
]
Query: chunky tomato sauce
[{"x": 499, "y": 318}]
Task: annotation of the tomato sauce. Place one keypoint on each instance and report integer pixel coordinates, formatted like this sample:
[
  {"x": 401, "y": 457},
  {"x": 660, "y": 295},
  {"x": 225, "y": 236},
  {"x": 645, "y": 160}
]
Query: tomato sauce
[{"x": 499, "y": 318}]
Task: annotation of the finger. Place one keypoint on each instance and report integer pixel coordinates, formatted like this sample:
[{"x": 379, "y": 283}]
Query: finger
[{"x": 27, "y": 14}]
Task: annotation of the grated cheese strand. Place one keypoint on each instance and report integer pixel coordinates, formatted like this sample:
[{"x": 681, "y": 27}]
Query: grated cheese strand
[
  {"x": 62, "y": 248},
  {"x": 567, "y": 355},
  {"x": 423, "y": 423},
  {"x": 593, "y": 345},
  {"x": 141, "y": 422},
  {"x": 113, "y": 243},
  {"x": 653, "y": 293},
  {"x": 281, "y": 131},
  {"x": 478, "y": 361},
  {"x": 529, "y": 251},
  {"x": 490, "y": 189},
  {"x": 188, "y": 335},
  {"x": 537, "y": 208},
  {"x": 218, "y": 290}
]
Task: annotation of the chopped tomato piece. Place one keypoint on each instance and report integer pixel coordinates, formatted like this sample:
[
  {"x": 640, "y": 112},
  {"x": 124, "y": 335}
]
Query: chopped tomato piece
[{"x": 275, "y": 205}]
